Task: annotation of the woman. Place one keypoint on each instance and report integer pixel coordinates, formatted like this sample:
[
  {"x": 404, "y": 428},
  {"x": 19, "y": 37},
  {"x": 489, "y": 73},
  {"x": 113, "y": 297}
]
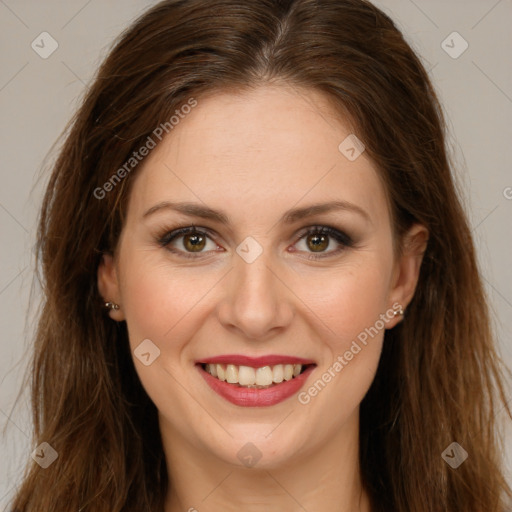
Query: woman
[{"x": 261, "y": 291}]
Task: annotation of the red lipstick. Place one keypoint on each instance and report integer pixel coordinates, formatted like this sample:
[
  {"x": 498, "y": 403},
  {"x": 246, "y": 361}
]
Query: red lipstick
[
  {"x": 256, "y": 397},
  {"x": 254, "y": 362}
]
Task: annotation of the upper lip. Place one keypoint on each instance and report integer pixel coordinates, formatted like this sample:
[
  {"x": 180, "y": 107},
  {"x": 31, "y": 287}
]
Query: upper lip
[{"x": 255, "y": 362}]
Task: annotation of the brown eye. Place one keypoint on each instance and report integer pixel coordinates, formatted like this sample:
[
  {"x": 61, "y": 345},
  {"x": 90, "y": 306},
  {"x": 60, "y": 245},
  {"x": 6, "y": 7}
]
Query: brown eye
[
  {"x": 189, "y": 242},
  {"x": 317, "y": 242},
  {"x": 194, "y": 242}
]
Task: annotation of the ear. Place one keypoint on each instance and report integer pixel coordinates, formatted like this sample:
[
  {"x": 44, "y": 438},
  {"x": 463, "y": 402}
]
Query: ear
[
  {"x": 407, "y": 268},
  {"x": 108, "y": 285}
]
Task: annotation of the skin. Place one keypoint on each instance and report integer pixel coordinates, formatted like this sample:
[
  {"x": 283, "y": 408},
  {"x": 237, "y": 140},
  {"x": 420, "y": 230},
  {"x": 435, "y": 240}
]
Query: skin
[{"x": 254, "y": 155}]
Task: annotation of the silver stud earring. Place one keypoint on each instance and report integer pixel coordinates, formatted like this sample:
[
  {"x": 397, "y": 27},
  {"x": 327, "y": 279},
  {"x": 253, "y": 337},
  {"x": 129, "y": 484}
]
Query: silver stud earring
[
  {"x": 399, "y": 312},
  {"x": 111, "y": 306}
]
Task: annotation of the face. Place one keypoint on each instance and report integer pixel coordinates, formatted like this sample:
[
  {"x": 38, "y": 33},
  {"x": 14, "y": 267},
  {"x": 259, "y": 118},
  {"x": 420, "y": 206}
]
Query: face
[{"x": 258, "y": 283}]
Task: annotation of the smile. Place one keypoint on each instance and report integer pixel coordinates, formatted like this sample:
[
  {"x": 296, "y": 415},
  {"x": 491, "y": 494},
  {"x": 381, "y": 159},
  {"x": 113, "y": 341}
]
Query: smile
[
  {"x": 247, "y": 376},
  {"x": 258, "y": 382}
]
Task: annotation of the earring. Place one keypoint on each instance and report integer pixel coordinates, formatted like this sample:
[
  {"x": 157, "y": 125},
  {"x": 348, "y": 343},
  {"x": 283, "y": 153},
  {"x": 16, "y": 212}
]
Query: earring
[
  {"x": 111, "y": 305},
  {"x": 399, "y": 312}
]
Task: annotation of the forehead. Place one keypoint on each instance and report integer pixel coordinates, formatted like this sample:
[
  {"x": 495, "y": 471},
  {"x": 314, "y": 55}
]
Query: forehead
[{"x": 260, "y": 151}]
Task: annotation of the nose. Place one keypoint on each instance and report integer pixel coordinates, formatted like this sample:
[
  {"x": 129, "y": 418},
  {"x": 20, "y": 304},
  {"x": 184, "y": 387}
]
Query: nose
[{"x": 257, "y": 302}]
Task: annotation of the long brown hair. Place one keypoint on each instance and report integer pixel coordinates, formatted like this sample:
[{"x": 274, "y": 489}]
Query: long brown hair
[{"x": 440, "y": 379}]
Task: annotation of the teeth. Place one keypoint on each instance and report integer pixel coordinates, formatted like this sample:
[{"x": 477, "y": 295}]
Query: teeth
[
  {"x": 254, "y": 377},
  {"x": 246, "y": 376},
  {"x": 212, "y": 368},
  {"x": 231, "y": 374},
  {"x": 264, "y": 376},
  {"x": 278, "y": 373},
  {"x": 221, "y": 373}
]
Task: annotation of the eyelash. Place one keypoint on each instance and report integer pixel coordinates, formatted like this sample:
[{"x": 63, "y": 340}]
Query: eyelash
[{"x": 342, "y": 238}]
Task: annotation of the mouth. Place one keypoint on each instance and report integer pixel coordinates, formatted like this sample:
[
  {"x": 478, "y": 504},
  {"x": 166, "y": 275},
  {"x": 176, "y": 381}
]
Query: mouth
[
  {"x": 256, "y": 382},
  {"x": 263, "y": 377}
]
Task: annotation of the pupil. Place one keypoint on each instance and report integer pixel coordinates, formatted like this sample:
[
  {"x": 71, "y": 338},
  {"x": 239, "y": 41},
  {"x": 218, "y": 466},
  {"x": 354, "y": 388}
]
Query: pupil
[
  {"x": 320, "y": 242},
  {"x": 196, "y": 242}
]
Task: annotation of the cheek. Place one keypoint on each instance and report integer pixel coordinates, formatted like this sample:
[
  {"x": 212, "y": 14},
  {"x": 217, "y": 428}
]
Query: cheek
[
  {"x": 157, "y": 299},
  {"x": 349, "y": 300},
  {"x": 163, "y": 305},
  {"x": 349, "y": 306}
]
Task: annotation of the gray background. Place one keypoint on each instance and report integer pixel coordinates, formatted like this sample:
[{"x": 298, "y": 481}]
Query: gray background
[{"x": 38, "y": 97}]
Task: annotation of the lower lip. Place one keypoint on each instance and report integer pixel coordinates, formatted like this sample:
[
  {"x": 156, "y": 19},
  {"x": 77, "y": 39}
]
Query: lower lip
[{"x": 253, "y": 397}]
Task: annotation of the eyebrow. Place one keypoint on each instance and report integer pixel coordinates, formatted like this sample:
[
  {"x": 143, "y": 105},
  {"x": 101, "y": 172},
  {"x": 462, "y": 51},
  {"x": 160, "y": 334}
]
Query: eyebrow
[{"x": 289, "y": 217}]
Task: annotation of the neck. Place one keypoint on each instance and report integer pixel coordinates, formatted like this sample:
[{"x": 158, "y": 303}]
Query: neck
[{"x": 326, "y": 477}]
